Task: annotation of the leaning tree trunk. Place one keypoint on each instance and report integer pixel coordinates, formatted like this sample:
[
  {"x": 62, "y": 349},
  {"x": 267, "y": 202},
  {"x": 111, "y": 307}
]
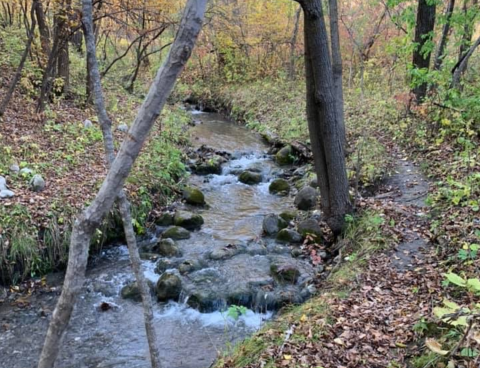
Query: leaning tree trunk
[
  {"x": 324, "y": 124},
  {"x": 124, "y": 205},
  {"x": 18, "y": 73},
  {"x": 423, "y": 34},
  {"x": 92, "y": 216},
  {"x": 337, "y": 67},
  {"x": 461, "y": 66},
  {"x": 439, "y": 56}
]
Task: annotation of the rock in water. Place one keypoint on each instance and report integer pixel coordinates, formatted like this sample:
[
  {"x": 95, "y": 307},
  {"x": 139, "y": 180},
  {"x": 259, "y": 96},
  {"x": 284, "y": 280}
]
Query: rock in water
[
  {"x": 285, "y": 156},
  {"x": 194, "y": 197},
  {"x": 279, "y": 186},
  {"x": 37, "y": 184},
  {"x": 310, "y": 227},
  {"x": 250, "y": 177},
  {"x": 272, "y": 224},
  {"x": 176, "y": 233},
  {"x": 132, "y": 292},
  {"x": 188, "y": 220},
  {"x": 167, "y": 248},
  {"x": 165, "y": 219},
  {"x": 306, "y": 199},
  {"x": 169, "y": 287},
  {"x": 288, "y": 215},
  {"x": 289, "y": 236},
  {"x": 285, "y": 272},
  {"x": 210, "y": 166}
]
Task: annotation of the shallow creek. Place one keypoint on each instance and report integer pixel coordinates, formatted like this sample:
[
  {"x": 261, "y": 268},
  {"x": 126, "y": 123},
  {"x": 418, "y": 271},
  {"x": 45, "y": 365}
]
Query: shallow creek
[{"x": 188, "y": 337}]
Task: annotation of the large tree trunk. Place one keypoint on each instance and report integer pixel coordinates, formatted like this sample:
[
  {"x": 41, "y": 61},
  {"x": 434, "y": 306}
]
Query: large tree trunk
[
  {"x": 324, "y": 124},
  {"x": 443, "y": 40},
  {"x": 337, "y": 66},
  {"x": 91, "y": 217},
  {"x": 106, "y": 125},
  {"x": 423, "y": 34},
  {"x": 18, "y": 73},
  {"x": 62, "y": 28},
  {"x": 43, "y": 29}
]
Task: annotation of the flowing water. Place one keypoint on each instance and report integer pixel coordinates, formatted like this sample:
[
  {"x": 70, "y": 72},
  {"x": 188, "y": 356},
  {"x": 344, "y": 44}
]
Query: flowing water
[{"x": 188, "y": 338}]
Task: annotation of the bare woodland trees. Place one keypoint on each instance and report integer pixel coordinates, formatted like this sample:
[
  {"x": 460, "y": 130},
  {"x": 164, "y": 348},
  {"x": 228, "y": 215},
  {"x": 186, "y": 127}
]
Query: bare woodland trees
[
  {"x": 90, "y": 219},
  {"x": 324, "y": 124}
]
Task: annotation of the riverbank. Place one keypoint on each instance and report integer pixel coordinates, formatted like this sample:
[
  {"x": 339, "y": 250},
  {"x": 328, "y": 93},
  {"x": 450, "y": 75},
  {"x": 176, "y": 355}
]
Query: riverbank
[{"x": 64, "y": 147}]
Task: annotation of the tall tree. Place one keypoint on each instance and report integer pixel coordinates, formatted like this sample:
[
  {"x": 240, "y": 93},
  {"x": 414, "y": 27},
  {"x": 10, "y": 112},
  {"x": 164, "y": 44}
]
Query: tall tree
[
  {"x": 337, "y": 66},
  {"x": 326, "y": 135},
  {"x": 423, "y": 36},
  {"x": 470, "y": 11},
  {"x": 92, "y": 216},
  {"x": 439, "y": 56},
  {"x": 123, "y": 203}
]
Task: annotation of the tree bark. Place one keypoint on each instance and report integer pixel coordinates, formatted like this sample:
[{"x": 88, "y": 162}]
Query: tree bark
[
  {"x": 293, "y": 42},
  {"x": 444, "y": 38},
  {"x": 326, "y": 135},
  {"x": 337, "y": 66},
  {"x": 18, "y": 73},
  {"x": 43, "y": 29},
  {"x": 124, "y": 205},
  {"x": 423, "y": 34},
  {"x": 92, "y": 216},
  {"x": 468, "y": 28},
  {"x": 461, "y": 66}
]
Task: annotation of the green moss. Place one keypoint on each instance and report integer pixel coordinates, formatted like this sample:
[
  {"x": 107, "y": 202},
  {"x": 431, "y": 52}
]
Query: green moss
[{"x": 279, "y": 186}]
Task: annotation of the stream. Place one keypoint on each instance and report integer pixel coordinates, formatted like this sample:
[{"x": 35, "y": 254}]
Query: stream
[{"x": 191, "y": 332}]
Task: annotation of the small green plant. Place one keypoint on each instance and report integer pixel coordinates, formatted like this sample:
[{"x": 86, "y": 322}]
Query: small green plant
[
  {"x": 236, "y": 311},
  {"x": 469, "y": 252}
]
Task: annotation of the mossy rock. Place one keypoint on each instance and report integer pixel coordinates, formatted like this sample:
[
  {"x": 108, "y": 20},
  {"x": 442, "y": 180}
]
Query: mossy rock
[
  {"x": 165, "y": 219},
  {"x": 250, "y": 177},
  {"x": 288, "y": 215},
  {"x": 194, "y": 196},
  {"x": 176, "y": 233},
  {"x": 285, "y": 156},
  {"x": 286, "y": 273},
  {"x": 209, "y": 166},
  {"x": 167, "y": 248},
  {"x": 310, "y": 227},
  {"x": 289, "y": 236},
  {"x": 306, "y": 199},
  {"x": 272, "y": 224},
  {"x": 131, "y": 292},
  {"x": 279, "y": 187},
  {"x": 169, "y": 287},
  {"x": 188, "y": 220}
]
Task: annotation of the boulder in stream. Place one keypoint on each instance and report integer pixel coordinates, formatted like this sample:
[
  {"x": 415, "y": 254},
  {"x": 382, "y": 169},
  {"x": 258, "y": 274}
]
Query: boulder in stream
[
  {"x": 169, "y": 287},
  {"x": 131, "y": 292},
  {"x": 285, "y": 156},
  {"x": 207, "y": 166},
  {"x": 194, "y": 196},
  {"x": 279, "y": 187},
  {"x": 250, "y": 177},
  {"x": 306, "y": 199},
  {"x": 188, "y": 220},
  {"x": 288, "y": 215},
  {"x": 285, "y": 272},
  {"x": 165, "y": 219},
  {"x": 176, "y": 233},
  {"x": 289, "y": 236},
  {"x": 272, "y": 224},
  {"x": 167, "y": 247}
]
